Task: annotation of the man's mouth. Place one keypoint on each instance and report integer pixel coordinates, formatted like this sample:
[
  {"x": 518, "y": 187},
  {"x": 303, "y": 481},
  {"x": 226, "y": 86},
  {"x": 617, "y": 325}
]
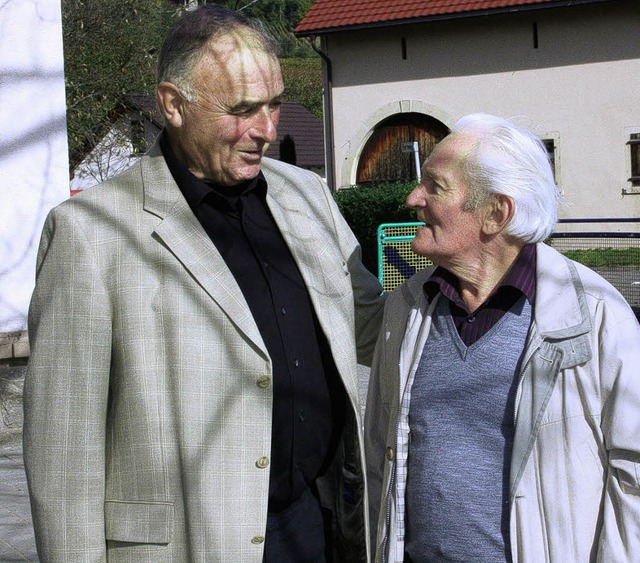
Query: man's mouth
[{"x": 252, "y": 154}]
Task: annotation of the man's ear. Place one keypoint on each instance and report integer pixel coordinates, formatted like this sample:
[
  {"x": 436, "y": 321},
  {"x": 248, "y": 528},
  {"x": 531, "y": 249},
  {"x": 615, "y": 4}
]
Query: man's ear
[
  {"x": 499, "y": 212},
  {"x": 171, "y": 103}
]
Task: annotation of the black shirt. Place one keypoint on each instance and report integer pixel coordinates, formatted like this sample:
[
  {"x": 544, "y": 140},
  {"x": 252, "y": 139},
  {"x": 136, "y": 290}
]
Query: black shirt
[{"x": 308, "y": 396}]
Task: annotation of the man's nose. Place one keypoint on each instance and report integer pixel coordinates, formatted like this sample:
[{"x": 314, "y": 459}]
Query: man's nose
[
  {"x": 267, "y": 124},
  {"x": 415, "y": 198}
]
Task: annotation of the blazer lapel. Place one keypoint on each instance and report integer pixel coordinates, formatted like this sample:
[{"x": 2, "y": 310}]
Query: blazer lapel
[
  {"x": 289, "y": 213},
  {"x": 289, "y": 210},
  {"x": 183, "y": 235}
]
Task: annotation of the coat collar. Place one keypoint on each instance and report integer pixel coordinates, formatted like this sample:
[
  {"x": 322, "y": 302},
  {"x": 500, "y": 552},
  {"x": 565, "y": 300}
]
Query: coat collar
[
  {"x": 561, "y": 309},
  {"x": 185, "y": 238}
]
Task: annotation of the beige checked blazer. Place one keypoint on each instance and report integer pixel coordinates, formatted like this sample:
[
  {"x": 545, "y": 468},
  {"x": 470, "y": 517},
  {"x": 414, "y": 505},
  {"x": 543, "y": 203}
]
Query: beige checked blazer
[{"x": 148, "y": 393}]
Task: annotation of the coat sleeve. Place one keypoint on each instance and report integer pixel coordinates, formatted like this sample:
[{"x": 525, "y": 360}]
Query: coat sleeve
[
  {"x": 619, "y": 361},
  {"x": 65, "y": 394}
]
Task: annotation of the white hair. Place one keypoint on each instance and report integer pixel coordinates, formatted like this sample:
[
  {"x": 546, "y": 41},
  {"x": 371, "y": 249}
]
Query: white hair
[{"x": 509, "y": 160}]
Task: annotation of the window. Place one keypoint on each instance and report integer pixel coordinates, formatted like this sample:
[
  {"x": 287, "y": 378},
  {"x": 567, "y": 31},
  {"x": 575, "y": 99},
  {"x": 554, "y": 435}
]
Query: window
[
  {"x": 549, "y": 144},
  {"x": 634, "y": 148}
]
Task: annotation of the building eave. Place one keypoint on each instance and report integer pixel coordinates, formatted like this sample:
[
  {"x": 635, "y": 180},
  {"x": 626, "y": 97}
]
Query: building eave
[{"x": 445, "y": 17}]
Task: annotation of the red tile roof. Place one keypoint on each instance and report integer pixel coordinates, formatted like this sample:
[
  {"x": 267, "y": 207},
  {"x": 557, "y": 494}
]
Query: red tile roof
[{"x": 331, "y": 15}]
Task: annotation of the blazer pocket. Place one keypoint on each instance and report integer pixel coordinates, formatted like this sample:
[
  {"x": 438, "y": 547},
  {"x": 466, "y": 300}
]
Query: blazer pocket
[{"x": 138, "y": 522}]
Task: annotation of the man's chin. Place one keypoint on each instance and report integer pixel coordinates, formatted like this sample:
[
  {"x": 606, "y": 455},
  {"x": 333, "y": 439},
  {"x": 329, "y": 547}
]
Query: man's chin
[
  {"x": 421, "y": 246},
  {"x": 247, "y": 173}
]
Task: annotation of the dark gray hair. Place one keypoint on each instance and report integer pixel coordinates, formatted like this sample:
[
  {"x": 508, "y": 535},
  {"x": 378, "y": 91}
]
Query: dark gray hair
[{"x": 188, "y": 38}]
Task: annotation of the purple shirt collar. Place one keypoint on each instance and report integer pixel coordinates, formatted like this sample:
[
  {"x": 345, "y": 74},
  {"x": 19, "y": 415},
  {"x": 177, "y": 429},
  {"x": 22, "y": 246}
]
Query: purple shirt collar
[{"x": 521, "y": 277}]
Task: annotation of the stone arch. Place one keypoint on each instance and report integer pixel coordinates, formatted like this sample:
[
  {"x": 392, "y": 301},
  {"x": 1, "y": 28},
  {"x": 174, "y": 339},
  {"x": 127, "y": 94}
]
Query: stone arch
[{"x": 378, "y": 156}]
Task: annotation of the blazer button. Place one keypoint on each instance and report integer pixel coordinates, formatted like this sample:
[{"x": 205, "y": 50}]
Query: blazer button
[
  {"x": 263, "y": 381},
  {"x": 390, "y": 454},
  {"x": 262, "y": 462},
  {"x": 257, "y": 539}
]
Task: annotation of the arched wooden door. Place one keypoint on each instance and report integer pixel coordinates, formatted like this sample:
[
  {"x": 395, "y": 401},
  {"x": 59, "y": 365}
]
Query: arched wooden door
[{"x": 382, "y": 159}]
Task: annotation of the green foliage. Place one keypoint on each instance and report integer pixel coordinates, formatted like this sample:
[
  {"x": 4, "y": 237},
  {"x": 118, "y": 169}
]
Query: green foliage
[
  {"x": 110, "y": 51},
  {"x": 303, "y": 83},
  {"x": 605, "y": 257},
  {"x": 365, "y": 208}
]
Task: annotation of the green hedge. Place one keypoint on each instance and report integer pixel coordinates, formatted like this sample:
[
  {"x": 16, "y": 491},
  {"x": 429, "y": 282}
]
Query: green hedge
[
  {"x": 367, "y": 207},
  {"x": 605, "y": 257}
]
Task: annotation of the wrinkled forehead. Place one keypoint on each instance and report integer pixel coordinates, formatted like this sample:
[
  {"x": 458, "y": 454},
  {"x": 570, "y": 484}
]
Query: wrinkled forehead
[
  {"x": 452, "y": 151},
  {"x": 243, "y": 44},
  {"x": 235, "y": 68},
  {"x": 235, "y": 58}
]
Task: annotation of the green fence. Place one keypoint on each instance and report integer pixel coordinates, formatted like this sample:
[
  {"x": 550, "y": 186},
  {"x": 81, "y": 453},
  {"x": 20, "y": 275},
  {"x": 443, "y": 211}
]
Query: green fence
[{"x": 396, "y": 261}]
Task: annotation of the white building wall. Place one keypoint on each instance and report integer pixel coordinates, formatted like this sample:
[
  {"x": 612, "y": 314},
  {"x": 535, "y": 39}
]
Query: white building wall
[
  {"x": 111, "y": 156},
  {"x": 33, "y": 145},
  {"x": 114, "y": 154},
  {"x": 580, "y": 86}
]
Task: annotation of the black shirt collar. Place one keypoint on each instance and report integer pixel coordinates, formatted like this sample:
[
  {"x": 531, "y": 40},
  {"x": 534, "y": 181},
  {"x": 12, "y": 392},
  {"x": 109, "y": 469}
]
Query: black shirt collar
[{"x": 196, "y": 191}]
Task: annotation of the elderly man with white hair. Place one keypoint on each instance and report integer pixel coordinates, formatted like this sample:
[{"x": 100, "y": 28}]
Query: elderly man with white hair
[{"x": 503, "y": 415}]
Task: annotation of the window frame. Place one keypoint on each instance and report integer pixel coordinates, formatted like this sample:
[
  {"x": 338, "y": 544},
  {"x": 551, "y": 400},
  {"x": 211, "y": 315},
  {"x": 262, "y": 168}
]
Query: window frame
[
  {"x": 634, "y": 159},
  {"x": 551, "y": 145}
]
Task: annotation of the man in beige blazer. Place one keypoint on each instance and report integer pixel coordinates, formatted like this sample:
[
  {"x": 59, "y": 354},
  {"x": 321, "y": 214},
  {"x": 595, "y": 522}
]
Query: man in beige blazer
[{"x": 154, "y": 427}]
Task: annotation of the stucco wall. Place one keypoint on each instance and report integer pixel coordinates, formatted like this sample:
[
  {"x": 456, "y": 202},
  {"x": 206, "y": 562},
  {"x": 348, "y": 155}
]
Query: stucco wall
[
  {"x": 580, "y": 86},
  {"x": 33, "y": 144}
]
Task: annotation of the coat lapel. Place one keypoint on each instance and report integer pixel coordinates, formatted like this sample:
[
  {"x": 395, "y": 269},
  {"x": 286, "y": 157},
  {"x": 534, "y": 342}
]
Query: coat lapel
[
  {"x": 180, "y": 231},
  {"x": 558, "y": 339}
]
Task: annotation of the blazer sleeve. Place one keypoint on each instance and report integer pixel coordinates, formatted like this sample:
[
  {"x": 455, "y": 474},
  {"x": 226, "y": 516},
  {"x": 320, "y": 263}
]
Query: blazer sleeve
[
  {"x": 65, "y": 394},
  {"x": 367, "y": 292}
]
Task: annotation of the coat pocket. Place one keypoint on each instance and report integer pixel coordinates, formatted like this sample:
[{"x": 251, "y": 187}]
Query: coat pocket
[
  {"x": 138, "y": 522},
  {"x": 628, "y": 472}
]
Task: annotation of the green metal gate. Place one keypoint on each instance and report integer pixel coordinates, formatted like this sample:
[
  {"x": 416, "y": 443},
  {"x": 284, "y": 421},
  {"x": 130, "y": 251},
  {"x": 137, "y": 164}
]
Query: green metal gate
[{"x": 396, "y": 261}]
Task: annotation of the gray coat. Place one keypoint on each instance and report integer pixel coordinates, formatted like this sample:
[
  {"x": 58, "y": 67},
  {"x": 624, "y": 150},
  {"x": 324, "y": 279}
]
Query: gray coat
[{"x": 575, "y": 471}]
